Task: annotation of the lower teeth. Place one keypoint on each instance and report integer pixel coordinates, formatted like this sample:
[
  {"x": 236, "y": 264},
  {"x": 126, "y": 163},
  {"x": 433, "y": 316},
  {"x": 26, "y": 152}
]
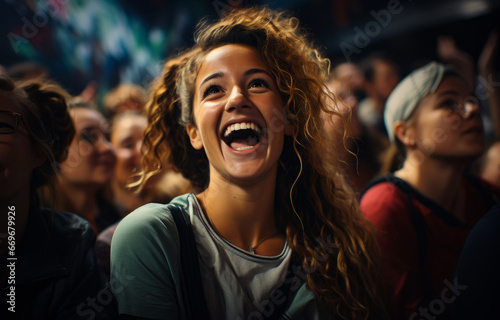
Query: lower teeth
[{"x": 244, "y": 148}]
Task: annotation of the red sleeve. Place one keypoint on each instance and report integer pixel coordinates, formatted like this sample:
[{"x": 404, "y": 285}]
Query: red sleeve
[{"x": 387, "y": 208}]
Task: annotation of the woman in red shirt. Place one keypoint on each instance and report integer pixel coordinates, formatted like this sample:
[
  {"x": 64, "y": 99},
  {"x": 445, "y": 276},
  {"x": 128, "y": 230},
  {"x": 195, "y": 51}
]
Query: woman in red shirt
[{"x": 424, "y": 210}]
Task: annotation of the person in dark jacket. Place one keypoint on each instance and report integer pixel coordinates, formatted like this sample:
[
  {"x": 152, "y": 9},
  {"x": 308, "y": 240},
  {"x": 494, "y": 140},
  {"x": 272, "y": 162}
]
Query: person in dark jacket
[{"x": 49, "y": 268}]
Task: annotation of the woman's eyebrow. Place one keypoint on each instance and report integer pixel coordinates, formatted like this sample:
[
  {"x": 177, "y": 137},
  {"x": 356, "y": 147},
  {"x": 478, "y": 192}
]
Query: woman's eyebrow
[
  {"x": 212, "y": 76},
  {"x": 256, "y": 70},
  {"x": 448, "y": 92}
]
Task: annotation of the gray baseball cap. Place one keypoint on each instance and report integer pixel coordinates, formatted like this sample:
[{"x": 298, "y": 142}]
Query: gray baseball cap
[{"x": 405, "y": 98}]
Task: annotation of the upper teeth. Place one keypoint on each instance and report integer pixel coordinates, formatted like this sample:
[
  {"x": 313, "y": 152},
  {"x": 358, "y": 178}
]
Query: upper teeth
[{"x": 242, "y": 126}]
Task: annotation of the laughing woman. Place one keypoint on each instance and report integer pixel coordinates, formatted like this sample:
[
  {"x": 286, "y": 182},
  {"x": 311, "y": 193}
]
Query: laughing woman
[{"x": 277, "y": 233}]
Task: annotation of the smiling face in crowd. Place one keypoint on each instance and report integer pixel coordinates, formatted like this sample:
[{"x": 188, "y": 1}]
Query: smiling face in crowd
[
  {"x": 91, "y": 157},
  {"x": 126, "y": 138},
  {"x": 238, "y": 113}
]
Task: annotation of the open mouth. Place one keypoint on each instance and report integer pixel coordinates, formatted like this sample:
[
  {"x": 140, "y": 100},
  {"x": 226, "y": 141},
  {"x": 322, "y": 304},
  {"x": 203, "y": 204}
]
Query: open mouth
[{"x": 242, "y": 136}]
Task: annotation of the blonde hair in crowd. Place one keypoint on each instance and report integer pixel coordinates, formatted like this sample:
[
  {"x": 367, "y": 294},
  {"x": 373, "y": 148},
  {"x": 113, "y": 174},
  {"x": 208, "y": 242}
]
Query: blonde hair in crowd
[
  {"x": 313, "y": 206},
  {"x": 121, "y": 94}
]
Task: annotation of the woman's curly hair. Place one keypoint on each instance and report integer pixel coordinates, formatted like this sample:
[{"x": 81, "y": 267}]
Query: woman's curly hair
[{"x": 314, "y": 204}]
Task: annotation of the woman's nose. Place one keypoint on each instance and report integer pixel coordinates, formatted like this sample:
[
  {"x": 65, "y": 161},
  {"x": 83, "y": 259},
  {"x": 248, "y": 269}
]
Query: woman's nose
[
  {"x": 105, "y": 146},
  {"x": 137, "y": 153},
  {"x": 237, "y": 100},
  {"x": 470, "y": 108}
]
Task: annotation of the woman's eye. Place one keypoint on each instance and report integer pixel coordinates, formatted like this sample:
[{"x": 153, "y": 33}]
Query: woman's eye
[
  {"x": 5, "y": 125},
  {"x": 449, "y": 104},
  {"x": 92, "y": 136},
  {"x": 87, "y": 136},
  {"x": 127, "y": 144},
  {"x": 258, "y": 83},
  {"x": 213, "y": 89}
]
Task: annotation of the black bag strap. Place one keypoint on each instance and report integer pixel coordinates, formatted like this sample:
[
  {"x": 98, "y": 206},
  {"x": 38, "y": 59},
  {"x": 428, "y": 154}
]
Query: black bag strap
[{"x": 192, "y": 290}]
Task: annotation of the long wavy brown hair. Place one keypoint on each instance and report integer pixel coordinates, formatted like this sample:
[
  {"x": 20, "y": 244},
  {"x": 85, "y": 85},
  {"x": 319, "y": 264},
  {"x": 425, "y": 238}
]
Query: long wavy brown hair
[{"x": 314, "y": 205}]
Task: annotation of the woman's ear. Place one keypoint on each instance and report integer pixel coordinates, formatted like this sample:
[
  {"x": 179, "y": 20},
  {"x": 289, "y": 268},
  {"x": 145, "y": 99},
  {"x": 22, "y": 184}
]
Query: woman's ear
[
  {"x": 194, "y": 136},
  {"x": 404, "y": 133}
]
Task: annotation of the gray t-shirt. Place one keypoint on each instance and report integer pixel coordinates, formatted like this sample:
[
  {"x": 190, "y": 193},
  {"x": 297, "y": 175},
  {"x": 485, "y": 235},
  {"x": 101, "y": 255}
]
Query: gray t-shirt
[{"x": 236, "y": 283}]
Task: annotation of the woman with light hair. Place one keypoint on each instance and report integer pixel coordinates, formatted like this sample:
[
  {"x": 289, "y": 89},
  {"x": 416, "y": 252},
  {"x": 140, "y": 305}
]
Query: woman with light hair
[
  {"x": 424, "y": 211},
  {"x": 126, "y": 96}
]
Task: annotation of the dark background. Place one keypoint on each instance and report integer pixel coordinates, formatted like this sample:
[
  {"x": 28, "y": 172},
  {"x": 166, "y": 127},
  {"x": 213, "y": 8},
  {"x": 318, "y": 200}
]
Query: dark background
[{"x": 80, "y": 41}]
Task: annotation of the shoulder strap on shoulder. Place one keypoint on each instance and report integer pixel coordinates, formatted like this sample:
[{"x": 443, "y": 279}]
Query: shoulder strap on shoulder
[
  {"x": 374, "y": 182},
  {"x": 192, "y": 290},
  {"x": 416, "y": 218},
  {"x": 418, "y": 223}
]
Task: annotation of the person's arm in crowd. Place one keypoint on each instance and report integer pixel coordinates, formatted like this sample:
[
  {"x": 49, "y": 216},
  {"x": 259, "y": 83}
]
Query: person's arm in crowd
[
  {"x": 449, "y": 53},
  {"x": 486, "y": 64}
]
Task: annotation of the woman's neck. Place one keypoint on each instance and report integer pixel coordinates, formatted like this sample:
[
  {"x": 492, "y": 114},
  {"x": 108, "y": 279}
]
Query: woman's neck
[
  {"x": 79, "y": 200},
  {"x": 126, "y": 198},
  {"x": 243, "y": 215},
  {"x": 436, "y": 179}
]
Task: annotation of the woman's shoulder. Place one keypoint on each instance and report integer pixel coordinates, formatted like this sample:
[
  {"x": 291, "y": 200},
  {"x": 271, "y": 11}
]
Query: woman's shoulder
[
  {"x": 386, "y": 200},
  {"x": 151, "y": 219},
  {"x": 69, "y": 235},
  {"x": 59, "y": 258},
  {"x": 65, "y": 226},
  {"x": 385, "y": 189},
  {"x": 157, "y": 211}
]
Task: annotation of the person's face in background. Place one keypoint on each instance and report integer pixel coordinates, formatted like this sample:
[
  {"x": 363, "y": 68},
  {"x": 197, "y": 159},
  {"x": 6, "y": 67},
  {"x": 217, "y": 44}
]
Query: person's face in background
[
  {"x": 385, "y": 79},
  {"x": 333, "y": 124},
  {"x": 91, "y": 157},
  {"x": 126, "y": 137},
  {"x": 17, "y": 156},
  {"x": 350, "y": 75},
  {"x": 447, "y": 123}
]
